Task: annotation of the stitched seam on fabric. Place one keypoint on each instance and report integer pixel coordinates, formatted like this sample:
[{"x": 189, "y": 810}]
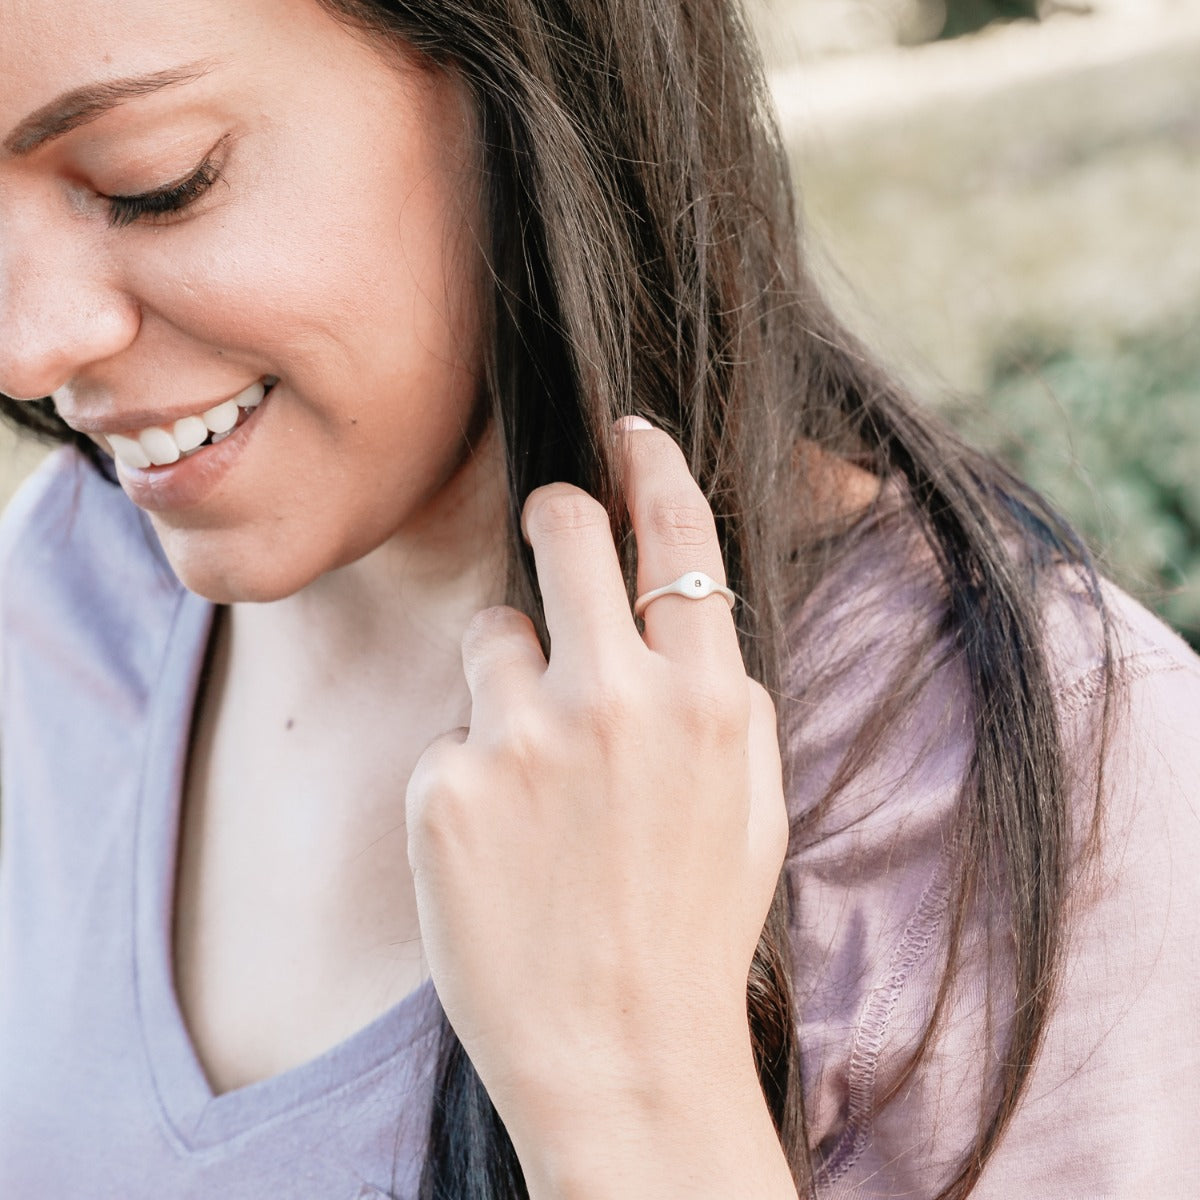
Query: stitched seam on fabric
[
  {"x": 877, "y": 1012},
  {"x": 202, "y": 1152},
  {"x": 1090, "y": 686},
  {"x": 881, "y": 1002}
]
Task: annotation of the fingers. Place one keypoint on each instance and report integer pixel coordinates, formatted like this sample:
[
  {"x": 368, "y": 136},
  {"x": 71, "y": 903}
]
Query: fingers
[
  {"x": 676, "y": 534},
  {"x": 502, "y": 662},
  {"x": 583, "y": 593}
]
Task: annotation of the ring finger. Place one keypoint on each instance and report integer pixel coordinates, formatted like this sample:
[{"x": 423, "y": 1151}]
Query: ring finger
[{"x": 676, "y": 535}]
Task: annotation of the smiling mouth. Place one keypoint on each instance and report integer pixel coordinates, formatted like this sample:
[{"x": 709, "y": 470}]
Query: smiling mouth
[{"x": 163, "y": 445}]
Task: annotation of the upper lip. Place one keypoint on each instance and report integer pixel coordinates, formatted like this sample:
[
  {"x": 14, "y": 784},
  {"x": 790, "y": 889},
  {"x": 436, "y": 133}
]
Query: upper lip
[{"x": 132, "y": 423}]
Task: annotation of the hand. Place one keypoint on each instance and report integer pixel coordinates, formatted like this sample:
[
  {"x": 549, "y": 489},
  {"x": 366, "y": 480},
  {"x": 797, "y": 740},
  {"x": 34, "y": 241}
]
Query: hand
[{"x": 594, "y": 860}]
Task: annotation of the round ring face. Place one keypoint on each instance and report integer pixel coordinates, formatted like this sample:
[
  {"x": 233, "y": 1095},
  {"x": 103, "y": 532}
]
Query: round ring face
[{"x": 694, "y": 585}]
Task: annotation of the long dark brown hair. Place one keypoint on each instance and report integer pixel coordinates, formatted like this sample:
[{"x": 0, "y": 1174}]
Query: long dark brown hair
[{"x": 645, "y": 258}]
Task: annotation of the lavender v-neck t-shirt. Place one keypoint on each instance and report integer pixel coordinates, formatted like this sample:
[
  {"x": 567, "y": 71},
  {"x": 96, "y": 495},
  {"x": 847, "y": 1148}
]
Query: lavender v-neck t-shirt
[{"x": 101, "y": 1092}]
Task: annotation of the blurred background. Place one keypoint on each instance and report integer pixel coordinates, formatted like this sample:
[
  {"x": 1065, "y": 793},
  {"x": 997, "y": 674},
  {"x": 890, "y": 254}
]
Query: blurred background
[{"x": 1004, "y": 195}]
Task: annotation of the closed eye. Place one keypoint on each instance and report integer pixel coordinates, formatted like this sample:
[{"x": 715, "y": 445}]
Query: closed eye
[{"x": 165, "y": 201}]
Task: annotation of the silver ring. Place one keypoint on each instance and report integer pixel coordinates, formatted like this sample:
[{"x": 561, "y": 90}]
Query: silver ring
[{"x": 695, "y": 585}]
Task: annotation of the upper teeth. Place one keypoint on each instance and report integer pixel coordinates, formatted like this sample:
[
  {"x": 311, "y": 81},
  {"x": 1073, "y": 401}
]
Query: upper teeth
[{"x": 159, "y": 447}]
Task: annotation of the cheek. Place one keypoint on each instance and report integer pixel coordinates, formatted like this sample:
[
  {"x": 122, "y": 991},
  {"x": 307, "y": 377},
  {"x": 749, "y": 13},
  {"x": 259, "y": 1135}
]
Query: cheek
[
  {"x": 368, "y": 265},
  {"x": 301, "y": 287}
]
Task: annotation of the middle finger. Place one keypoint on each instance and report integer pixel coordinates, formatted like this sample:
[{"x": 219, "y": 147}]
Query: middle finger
[{"x": 579, "y": 574}]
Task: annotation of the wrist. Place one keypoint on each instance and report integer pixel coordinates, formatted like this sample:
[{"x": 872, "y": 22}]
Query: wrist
[{"x": 699, "y": 1130}]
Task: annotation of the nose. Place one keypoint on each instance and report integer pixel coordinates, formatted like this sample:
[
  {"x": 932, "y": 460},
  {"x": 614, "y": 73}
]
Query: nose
[{"x": 59, "y": 313}]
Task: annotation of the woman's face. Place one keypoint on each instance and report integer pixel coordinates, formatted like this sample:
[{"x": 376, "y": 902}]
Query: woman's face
[{"x": 307, "y": 217}]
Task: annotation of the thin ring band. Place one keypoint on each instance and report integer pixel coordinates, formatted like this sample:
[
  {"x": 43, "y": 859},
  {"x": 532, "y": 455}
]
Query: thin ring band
[{"x": 695, "y": 585}]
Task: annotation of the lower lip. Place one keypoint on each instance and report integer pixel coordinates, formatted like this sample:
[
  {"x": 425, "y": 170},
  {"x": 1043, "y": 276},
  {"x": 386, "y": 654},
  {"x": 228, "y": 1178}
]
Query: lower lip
[{"x": 191, "y": 480}]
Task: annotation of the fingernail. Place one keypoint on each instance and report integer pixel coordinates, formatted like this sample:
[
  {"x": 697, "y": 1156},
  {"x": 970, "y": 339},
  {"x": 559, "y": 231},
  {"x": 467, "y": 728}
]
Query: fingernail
[{"x": 625, "y": 424}]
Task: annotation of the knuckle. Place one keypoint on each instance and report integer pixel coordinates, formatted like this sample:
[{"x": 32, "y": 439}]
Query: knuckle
[
  {"x": 558, "y": 509},
  {"x": 525, "y": 735},
  {"x": 490, "y": 624},
  {"x": 437, "y": 788},
  {"x": 772, "y": 830},
  {"x": 678, "y": 521},
  {"x": 608, "y": 707},
  {"x": 715, "y": 711},
  {"x": 761, "y": 705},
  {"x": 780, "y": 835}
]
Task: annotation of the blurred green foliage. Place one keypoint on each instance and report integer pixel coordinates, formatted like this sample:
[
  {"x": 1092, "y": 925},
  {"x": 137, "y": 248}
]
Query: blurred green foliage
[
  {"x": 1111, "y": 434},
  {"x": 969, "y": 16}
]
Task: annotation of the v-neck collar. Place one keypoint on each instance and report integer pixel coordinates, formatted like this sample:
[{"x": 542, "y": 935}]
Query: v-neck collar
[{"x": 196, "y": 1118}]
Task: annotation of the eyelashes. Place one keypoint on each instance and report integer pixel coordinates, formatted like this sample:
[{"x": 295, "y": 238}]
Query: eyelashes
[{"x": 164, "y": 201}]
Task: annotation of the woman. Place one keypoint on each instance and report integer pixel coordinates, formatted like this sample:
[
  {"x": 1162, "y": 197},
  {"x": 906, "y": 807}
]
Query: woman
[{"x": 358, "y": 840}]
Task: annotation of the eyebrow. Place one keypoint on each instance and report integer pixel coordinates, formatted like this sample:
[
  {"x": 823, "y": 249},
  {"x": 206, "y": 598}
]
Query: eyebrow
[{"x": 87, "y": 103}]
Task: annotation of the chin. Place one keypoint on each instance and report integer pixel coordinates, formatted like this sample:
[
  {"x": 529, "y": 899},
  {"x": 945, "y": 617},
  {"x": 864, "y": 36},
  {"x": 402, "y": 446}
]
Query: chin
[
  {"x": 224, "y": 586},
  {"x": 252, "y": 567},
  {"x": 207, "y": 565}
]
